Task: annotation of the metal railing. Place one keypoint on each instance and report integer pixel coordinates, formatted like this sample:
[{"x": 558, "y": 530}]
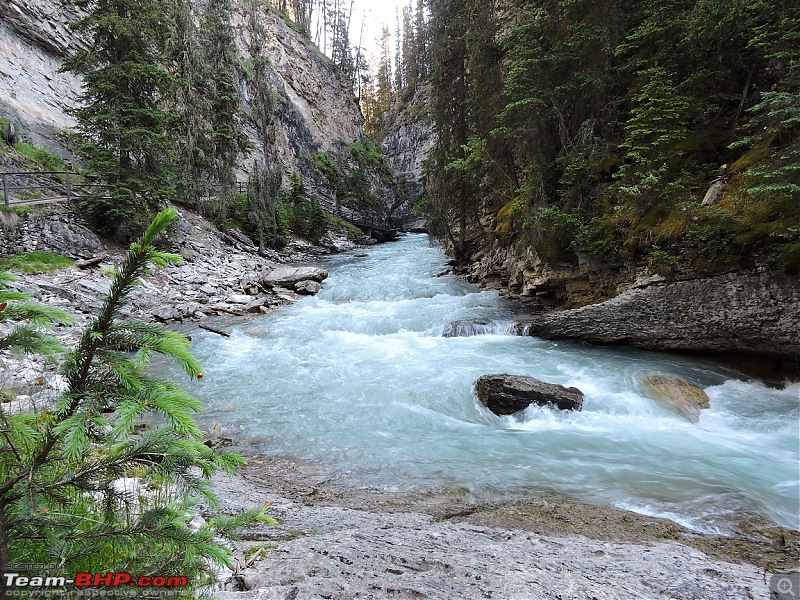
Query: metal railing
[
  {"x": 67, "y": 185},
  {"x": 43, "y": 186}
]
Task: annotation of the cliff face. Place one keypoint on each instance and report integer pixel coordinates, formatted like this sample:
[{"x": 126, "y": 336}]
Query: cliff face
[
  {"x": 34, "y": 37},
  {"x": 410, "y": 139},
  {"x": 316, "y": 109}
]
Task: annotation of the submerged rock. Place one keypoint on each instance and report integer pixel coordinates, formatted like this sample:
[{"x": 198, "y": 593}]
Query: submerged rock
[
  {"x": 508, "y": 394},
  {"x": 467, "y": 328},
  {"x": 675, "y": 393}
]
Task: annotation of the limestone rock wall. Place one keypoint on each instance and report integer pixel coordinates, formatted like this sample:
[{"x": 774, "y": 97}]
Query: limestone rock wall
[
  {"x": 34, "y": 37},
  {"x": 519, "y": 273},
  {"x": 316, "y": 108},
  {"x": 746, "y": 313},
  {"x": 742, "y": 313},
  {"x": 410, "y": 140}
]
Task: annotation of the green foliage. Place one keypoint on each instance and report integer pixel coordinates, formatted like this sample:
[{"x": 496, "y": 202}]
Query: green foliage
[
  {"x": 83, "y": 486},
  {"x": 47, "y": 161},
  {"x": 654, "y": 135},
  {"x": 337, "y": 221},
  {"x": 307, "y": 216},
  {"x": 262, "y": 201},
  {"x": 8, "y": 132},
  {"x": 207, "y": 106},
  {"x": 553, "y": 233},
  {"x": 662, "y": 262},
  {"x": 328, "y": 167},
  {"x": 355, "y": 186},
  {"x": 35, "y": 262},
  {"x": 367, "y": 153},
  {"x": 28, "y": 321},
  {"x": 607, "y": 123},
  {"x": 121, "y": 116}
]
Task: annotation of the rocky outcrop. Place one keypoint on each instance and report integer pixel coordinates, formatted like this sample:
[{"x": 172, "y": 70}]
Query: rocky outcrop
[
  {"x": 61, "y": 231},
  {"x": 289, "y": 277},
  {"x": 408, "y": 142},
  {"x": 34, "y": 37},
  {"x": 316, "y": 108},
  {"x": 508, "y": 394},
  {"x": 519, "y": 273},
  {"x": 733, "y": 313},
  {"x": 410, "y": 138},
  {"x": 676, "y": 394},
  {"x": 307, "y": 287}
]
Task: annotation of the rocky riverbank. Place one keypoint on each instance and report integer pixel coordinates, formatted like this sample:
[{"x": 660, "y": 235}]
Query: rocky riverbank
[
  {"x": 744, "y": 317},
  {"x": 334, "y": 541},
  {"x": 735, "y": 313},
  {"x": 221, "y": 274}
]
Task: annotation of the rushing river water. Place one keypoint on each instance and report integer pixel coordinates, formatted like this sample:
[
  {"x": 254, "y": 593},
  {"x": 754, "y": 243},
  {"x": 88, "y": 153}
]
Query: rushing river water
[{"x": 359, "y": 379}]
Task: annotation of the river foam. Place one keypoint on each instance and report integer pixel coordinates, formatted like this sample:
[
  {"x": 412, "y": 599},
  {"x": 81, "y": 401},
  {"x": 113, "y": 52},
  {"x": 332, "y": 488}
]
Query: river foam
[{"x": 360, "y": 379}]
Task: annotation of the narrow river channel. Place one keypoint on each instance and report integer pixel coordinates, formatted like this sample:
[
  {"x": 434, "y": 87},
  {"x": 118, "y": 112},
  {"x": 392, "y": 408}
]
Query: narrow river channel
[{"x": 359, "y": 379}]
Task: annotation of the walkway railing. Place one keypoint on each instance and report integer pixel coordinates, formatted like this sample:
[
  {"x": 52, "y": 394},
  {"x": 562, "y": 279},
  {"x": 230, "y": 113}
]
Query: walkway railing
[{"x": 33, "y": 187}]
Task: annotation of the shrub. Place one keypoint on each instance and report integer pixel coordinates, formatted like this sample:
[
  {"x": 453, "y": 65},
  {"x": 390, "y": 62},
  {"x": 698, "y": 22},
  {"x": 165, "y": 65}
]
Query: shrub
[
  {"x": 81, "y": 485},
  {"x": 46, "y": 160}
]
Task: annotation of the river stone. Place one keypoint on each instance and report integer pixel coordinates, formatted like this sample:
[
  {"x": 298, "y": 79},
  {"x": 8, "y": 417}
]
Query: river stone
[
  {"x": 287, "y": 277},
  {"x": 675, "y": 393},
  {"x": 308, "y": 287},
  {"x": 508, "y": 394},
  {"x": 239, "y": 299},
  {"x": 166, "y": 313}
]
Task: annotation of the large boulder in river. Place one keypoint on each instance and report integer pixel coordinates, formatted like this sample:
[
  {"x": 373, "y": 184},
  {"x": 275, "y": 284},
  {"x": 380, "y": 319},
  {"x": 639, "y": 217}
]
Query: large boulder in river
[
  {"x": 288, "y": 277},
  {"x": 675, "y": 393},
  {"x": 507, "y": 394}
]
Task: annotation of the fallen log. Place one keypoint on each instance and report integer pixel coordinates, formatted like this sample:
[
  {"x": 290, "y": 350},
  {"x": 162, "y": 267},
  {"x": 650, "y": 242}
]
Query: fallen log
[
  {"x": 226, "y": 310},
  {"x": 213, "y": 330},
  {"x": 90, "y": 262}
]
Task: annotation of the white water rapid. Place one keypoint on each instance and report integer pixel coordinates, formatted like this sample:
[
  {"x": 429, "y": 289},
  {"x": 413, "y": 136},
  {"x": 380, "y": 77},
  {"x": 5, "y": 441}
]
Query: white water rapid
[{"x": 359, "y": 379}]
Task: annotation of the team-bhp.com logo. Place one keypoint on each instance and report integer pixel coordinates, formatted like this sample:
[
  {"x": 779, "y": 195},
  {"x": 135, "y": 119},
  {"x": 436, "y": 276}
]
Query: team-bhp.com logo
[{"x": 93, "y": 580}]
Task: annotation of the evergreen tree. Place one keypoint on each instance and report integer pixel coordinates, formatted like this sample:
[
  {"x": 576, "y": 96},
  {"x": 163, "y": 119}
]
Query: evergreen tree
[
  {"x": 654, "y": 136},
  {"x": 454, "y": 201},
  {"x": 409, "y": 43},
  {"x": 190, "y": 106},
  {"x": 30, "y": 322},
  {"x": 121, "y": 121},
  {"x": 222, "y": 92},
  {"x": 308, "y": 216},
  {"x": 82, "y": 486},
  {"x": 262, "y": 200},
  {"x": 421, "y": 39}
]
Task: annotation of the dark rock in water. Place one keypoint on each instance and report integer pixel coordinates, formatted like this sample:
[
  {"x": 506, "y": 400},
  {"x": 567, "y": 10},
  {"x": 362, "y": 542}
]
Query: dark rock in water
[
  {"x": 676, "y": 393},
  {"x": 467, "y": 328},
  {"x": 361, "y": 255},
  {"x": 508, "y": 394}
]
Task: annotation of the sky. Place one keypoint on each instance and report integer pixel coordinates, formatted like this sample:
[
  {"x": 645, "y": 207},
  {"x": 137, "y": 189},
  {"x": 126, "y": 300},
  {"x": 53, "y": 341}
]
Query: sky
[{"x": 374, "y": 13}]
